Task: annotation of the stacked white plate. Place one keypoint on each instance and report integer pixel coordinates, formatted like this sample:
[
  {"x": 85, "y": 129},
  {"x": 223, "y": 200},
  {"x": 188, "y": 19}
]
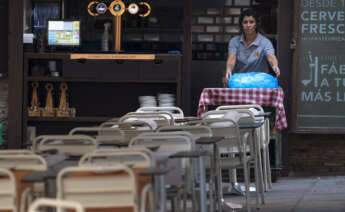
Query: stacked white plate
[
  {"x": 166, "y": 100},
  {"x": 147, "y": 101}
]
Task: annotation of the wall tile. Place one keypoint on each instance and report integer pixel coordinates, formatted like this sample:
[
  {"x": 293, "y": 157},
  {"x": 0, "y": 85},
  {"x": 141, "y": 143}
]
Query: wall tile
[
  {"x": 213, "y": 29},
  {"x": 205, "y": 38},
  {"x": 242, "y": 2},
  {"x": 236, "y": 20},
  {"x": 198, "y": 28},
  {"x": 227, "y": 20},
  {"x": 232, "y": 29},
  {"x": 233, "y": 11},
  {"x": 205, "y": 20},
  {"x": 213, "y": 11}
]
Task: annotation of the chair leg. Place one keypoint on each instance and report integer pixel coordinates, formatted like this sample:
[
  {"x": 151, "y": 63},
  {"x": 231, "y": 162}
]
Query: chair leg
[
  {"x": 256, "y": 185},
  {"x": 264, "y": 168},
  {"x": 260, "y": 172},
  {"x": 269, "y": 174},
  {"x": 246, "y": 173}
]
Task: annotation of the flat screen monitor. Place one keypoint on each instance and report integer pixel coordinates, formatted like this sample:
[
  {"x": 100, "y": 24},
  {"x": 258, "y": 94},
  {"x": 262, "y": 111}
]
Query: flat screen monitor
[{"x": 64, "y": 33}]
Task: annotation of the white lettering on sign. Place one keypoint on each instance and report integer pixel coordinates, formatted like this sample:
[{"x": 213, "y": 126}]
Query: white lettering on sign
[
  {"x": 332, "y": 69},
  {"x": 318, "y": 3},
  {"x": 322, "y": 20},
  {"x": 318, "y": 96},
  {"x": 323, "y": 28},
  {"x": 323, "y": 15},
  {"x": 339, "y": 82},
  {"x": 340, "y": 96},
  {"x": 324, "y": 83}
]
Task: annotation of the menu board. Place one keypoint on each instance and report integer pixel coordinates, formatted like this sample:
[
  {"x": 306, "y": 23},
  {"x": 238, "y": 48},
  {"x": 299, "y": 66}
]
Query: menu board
[{"x": 320, "y": 66}]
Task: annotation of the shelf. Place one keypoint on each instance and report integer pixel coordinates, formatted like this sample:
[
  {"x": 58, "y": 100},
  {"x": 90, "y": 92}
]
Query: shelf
[
  {"x": 153, "y": 30},
  {"x": 61, "y": 79},
  {"x": 69, "y": 119}
]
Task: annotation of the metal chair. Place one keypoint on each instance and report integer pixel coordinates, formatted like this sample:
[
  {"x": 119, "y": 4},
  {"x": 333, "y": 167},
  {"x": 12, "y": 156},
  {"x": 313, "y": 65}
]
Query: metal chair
[
  {"x": 181, "y": 178},
  {"x": 22, "y": 163},
  {"x": 264, "y": 138},
  {"x": 139, "y": 159},
  {"x": 246, "y": 116},
  {"x": 99, "y": 188},
  {"x": 8, "y": 191},
  {"x": 231, "y": 152}
]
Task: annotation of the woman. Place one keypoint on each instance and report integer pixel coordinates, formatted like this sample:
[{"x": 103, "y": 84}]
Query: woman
[{"x": 250, "y": 51}]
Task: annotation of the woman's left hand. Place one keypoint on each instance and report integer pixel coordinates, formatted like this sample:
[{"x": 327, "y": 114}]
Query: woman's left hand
[{"x": 276, "y": 71}]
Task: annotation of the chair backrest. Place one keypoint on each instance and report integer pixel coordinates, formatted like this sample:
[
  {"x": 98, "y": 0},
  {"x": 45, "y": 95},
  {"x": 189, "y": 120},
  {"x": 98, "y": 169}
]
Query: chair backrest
[
  {"x": 55, "y": 203},
  {"x": 69, "y": 144},
  {"x": 167, "y": 141},
  {"x": 16, "y": 151},
  {"x": 197, "y": 131},
  {"x": 242, "y": 116},
  {"x": 8, "y": 191},
  {"x": 159, "y": 118},
  {"x": 139, "y": 159},
  {"x": 99, "y": 187},
  {"x": 133, "y": 157},
  {"x": 176, "y": 112},
  {"x": 101, "y": 134},
  {"x": 109, "y": 123},
  {"x": 22, "y": 161},
  {"x": 255, "y": 109},
  {"x": 230, "y": 107}
]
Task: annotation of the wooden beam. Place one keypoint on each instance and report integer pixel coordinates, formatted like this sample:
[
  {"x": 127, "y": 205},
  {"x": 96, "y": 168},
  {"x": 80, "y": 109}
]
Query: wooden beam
[
  {"x": 15, "y": 76},
  {"x": 187, "y": 58}
]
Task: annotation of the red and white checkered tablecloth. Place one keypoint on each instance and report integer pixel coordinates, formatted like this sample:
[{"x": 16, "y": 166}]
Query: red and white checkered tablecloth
[{"x": 270, "y": 97}]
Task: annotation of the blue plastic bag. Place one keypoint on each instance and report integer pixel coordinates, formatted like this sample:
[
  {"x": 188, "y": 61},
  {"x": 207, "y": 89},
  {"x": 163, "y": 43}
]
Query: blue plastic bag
[{"x": 253, "y": 80}]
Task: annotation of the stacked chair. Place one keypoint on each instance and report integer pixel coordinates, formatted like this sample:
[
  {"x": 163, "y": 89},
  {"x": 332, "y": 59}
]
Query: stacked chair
[
  {"x": 234, "y": 146},
  {"x": 246, "y": 116},
  {"x": 181, "y": 178},
  {"x": 264, "y": 139}
]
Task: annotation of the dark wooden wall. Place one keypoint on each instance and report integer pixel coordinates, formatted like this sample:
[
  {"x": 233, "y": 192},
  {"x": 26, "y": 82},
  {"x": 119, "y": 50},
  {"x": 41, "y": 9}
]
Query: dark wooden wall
[
  {"x": 15, "y": 68},
  {"x": 3, "y": 37}
]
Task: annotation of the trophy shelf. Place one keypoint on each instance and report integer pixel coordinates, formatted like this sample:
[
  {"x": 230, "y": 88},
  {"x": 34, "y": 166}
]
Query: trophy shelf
[{"x": 98, "y": 89}]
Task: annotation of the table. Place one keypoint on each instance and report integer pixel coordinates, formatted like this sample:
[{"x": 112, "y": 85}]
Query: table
[{"x": 269, "y": 97}]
